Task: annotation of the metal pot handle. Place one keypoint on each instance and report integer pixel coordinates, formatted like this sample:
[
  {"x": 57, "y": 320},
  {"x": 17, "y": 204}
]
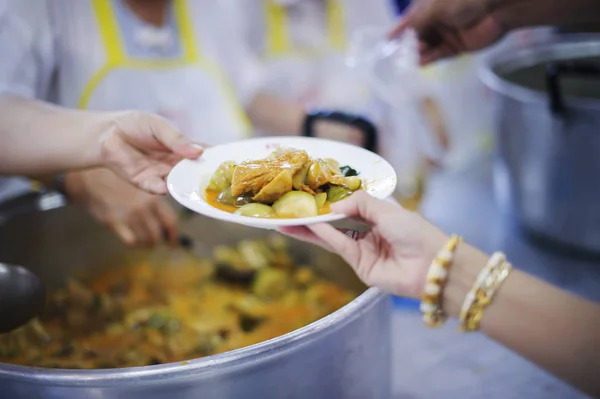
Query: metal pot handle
[
  {"x": 30, "y": 203},
  {"x": 369, "y": 130},
  {"x": 555, "y": 70}
]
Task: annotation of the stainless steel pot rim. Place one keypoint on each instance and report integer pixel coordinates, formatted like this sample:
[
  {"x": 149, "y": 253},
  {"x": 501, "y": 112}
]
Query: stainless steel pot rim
[
  {"x": 238, "y": 359},
  {"x": 511, "y": 59}
]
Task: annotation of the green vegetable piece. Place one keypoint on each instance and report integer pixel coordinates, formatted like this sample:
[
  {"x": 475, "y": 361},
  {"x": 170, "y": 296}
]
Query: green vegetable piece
[
  {"x": 156, "y": 321},
  {"x": 320, "y": 199},
  {"x": 270, "y": 284},
  {"x": 334, "y": 165},
  {"x": 226, "y": 197},
  {"x": 352, "y": 183},
  {"x": 296, "y": 204},
  {"x": 256, "y": 211},
  {"x": 337, "y": 193},
  {"x": 299, "y": 178},
  {"x": 348, "y": 171},
  {"x": 221, "y": 179}
]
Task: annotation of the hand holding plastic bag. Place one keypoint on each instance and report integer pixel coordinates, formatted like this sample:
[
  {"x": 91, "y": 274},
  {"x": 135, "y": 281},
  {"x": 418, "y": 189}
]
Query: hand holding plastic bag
[{"x": 391, "y": 68}]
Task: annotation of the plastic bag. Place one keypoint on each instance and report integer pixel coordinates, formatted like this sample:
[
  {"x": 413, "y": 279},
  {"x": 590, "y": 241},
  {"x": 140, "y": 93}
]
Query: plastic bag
[
  {"x": 391, "y": 71},
  {"x": 445, "y": 104}
]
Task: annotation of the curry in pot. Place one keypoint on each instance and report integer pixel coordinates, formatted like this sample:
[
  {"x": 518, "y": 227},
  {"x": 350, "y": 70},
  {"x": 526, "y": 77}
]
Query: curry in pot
[{"x": 142, "y": 315}]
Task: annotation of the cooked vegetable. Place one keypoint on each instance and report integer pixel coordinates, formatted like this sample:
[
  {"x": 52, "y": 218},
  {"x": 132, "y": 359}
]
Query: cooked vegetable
[
  {"x": 227, "y": 198},
  {"x": 319, "y": 174},
  {"x": 141, "y": 314},
  {"x": 280, "y": 185},
  {"x": 304, "y": 276},
  {"x": 334, "y": 165},
  {"x": 296, "y": 204},
  {"x": 348, "y": 171},
  {"x": 352, "y": 183},
  {"x": 255, "y": 253},
  {"x": 256, "y": 211},
  {"x": 221, "y": 179},
  {"x": 232, "y": 274},
  {"x": 337, "y": 193},
  {"x": 320, "y": 199},
  {"x": 270, "y": 284},
  {"x": 299, "y": 179},
  {"x": 239, "y": 265},
  {"x": 286, "y": 173},
  {"x": 315, "y": 177},
  {"x": 249, "y": 323}
]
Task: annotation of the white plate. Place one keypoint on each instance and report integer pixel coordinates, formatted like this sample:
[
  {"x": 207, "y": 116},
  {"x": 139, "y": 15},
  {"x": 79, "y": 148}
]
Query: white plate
[{"x": 188, "y": 179}]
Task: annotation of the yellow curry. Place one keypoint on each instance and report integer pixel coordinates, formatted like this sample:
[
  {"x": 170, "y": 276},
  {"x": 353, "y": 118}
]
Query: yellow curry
[{"x": 141, "y": 315}]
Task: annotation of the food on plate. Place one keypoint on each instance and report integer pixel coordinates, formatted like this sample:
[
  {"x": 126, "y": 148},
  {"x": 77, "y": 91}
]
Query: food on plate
[
  {"x": 256, "y": 210},
  {"x": 144, "y": 314},
  {"x": 287, "y": 184},
  {"x": 296, "y": 204}
]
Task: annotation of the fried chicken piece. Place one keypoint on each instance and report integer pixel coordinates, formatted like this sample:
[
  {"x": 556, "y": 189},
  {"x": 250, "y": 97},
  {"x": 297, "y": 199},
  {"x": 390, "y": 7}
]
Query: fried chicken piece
[{"x": 252, "y": 176}]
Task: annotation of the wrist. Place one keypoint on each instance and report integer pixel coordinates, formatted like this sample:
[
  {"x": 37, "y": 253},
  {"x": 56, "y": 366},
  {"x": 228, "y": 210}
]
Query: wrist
[
  {"x": 71, "y": 185},
  {"x": 468, "y": 262},
  {"x": 101, "y": 128}
]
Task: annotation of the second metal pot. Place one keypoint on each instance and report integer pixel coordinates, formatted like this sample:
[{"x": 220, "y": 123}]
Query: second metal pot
[{"x": 547, "y": 110}]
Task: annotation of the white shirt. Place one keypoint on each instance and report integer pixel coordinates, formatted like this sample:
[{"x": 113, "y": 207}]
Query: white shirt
[
  {"x": 308, "y": 20},
  {"x": 52, "y": 48},
  {"x": 321, "y": 79}
]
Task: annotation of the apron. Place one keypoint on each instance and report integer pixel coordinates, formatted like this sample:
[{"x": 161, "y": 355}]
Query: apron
[
  {"x": 315, "y": 77},
  {"x": 191, "y": 91}
]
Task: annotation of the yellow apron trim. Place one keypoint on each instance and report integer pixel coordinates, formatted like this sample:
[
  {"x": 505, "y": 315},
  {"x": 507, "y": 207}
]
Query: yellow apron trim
[
  {"x": 109, "y": 31},
  {"x": 278, "y": 38},
  {"x": 89, "y": 88},
  {"x": 190, "y": 50},
  {"x": 117, "y": 57},
  {"x": 337, "y": 26}
]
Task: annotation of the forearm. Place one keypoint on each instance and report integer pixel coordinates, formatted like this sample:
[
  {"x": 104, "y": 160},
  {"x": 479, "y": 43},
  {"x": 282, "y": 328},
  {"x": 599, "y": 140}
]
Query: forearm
[
  {"x": 554, "y": 329},
  {"x": 37, "y": 138},
  {"x": 276, "y": 116},
  {"x": 515, "y": 14}
]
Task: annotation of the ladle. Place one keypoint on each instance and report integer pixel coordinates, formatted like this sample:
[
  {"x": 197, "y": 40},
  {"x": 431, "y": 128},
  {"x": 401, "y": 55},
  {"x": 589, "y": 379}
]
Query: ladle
[{"x": 22, "y": 296}]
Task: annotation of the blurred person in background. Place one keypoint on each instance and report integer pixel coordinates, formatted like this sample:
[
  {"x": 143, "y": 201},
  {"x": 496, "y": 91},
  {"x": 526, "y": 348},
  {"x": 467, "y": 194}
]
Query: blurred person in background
[
  {"x": 184, "y": 60},
  {"x": 304, "y": 46}
]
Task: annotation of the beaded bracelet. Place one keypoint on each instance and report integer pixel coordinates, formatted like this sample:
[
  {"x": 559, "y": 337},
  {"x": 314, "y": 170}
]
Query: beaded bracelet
[
  {"x": 481, "y": 295},
  {"x": 431, "y": 299}
]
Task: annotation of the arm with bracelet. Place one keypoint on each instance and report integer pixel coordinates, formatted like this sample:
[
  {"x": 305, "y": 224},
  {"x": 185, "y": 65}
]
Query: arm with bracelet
[
  {"x": 408, "y": 256},
  {"x": 554, "y": 329}
]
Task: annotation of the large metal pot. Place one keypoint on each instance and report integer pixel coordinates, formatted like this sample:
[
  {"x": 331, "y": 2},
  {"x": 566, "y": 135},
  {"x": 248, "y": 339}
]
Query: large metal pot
[
  {"x": 547, "y": 110},
  {"x": 344, "y": 355}
]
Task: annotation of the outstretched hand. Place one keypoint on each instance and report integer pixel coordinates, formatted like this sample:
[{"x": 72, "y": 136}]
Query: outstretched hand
[
  {"x": 143, "y": 148},
  {"x": 393, "y": 255}
]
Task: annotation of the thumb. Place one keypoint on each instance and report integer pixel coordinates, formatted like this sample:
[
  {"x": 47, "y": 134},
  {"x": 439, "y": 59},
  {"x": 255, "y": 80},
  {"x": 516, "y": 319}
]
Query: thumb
[
  {"x": 171, "y": 138},
  {"x": 400, "y": 27}
]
